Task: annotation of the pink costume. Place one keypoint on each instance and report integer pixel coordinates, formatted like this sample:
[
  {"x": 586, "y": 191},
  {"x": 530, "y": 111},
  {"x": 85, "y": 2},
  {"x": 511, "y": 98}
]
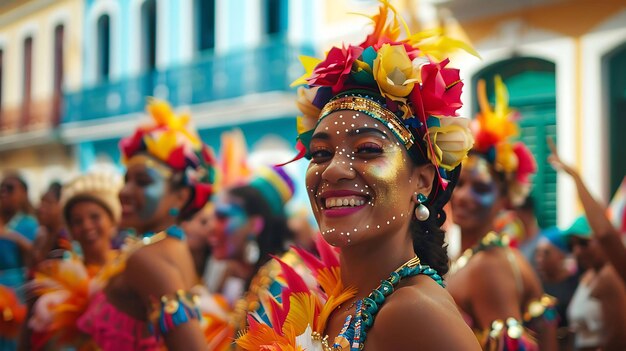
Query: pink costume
[{"x": 114, "y": 330}]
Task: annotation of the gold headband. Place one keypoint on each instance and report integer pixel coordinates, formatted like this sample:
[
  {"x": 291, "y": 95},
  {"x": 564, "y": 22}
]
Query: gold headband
[
  {"x": 374, "y": 110},
  {"x": 150, "y": 162}
]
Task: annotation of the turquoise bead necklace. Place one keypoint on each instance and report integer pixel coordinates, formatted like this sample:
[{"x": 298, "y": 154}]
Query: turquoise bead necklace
[{"x": 354, "y": 331}]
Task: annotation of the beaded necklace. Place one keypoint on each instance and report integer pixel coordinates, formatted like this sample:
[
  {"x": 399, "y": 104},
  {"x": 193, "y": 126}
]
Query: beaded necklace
[
  {"x": 133, "y": 243},
  {"x": 354, "y": 331},
  {"x": 491, "y": 239}
]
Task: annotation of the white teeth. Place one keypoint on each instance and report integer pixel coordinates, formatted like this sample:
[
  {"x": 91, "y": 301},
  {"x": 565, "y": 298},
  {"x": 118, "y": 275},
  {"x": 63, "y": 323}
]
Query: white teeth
[{"x": 344, "y": 202}]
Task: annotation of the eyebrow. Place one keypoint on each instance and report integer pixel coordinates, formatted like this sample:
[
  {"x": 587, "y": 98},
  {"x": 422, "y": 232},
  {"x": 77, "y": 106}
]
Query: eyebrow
[{"x": 351, "y": 133}]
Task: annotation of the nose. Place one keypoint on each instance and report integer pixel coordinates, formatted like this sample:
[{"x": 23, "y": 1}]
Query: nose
[
  {"x": 339, "y": 168},
  {"x": 125, "y": 192}
]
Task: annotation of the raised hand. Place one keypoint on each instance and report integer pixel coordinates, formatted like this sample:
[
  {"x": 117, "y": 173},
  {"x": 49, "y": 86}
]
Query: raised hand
[{"x": 555, "y": 161}]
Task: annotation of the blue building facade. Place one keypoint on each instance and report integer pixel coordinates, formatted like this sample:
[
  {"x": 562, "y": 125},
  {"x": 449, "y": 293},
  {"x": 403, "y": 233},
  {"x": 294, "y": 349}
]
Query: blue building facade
[{"x": 229, "y": 62}]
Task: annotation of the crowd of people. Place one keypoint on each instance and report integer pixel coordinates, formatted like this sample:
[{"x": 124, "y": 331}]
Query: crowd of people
[{"x": 173, "y": 256}]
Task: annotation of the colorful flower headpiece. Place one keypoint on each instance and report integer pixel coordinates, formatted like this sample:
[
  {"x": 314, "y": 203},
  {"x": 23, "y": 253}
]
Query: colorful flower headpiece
[
  {"x": 403, "y": 83},
  {"x": 169, "y": 140},
  {"x": 494, "y": 133}
]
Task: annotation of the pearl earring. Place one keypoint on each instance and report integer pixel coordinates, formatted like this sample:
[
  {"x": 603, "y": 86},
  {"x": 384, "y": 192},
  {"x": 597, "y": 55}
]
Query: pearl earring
[{"x": 421, "y": 212}]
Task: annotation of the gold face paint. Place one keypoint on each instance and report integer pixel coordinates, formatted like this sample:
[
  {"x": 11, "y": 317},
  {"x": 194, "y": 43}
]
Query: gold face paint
[{"x": 358, "y": 179}]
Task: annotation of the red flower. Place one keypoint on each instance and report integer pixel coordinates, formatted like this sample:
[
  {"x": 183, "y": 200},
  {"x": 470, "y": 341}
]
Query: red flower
[
  {"x": 441, "y": 89},
  {"x": 130, "y": 145},
  {"x": 334, "y": 70},
  {"x": 526, "y": 164},
  {"x": 176, "y": 159},
  {"x": 202, "y": 194},
  {"x": 207, "y": 155},
  {"x": 484, "y": 140}
]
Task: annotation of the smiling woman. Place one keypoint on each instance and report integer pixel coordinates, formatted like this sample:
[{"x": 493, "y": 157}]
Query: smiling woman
[
  {"x": 168, "y": 179},
  {"x": 385, "y": 146}
]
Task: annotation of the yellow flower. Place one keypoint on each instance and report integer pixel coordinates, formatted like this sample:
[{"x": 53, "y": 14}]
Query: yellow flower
[
  {"x": 506, "y": 159},
  {"x": 451, "y": 141},
  {"x": 310, "y": 112},
  {"x": 309, "y": 63},
  {"x": 394, "y": 72}
]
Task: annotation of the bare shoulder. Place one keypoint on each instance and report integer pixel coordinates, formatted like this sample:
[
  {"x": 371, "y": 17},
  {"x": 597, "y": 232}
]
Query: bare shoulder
[
  {"x": 420, "y": 316},
  {"x": 609, "y": 283},
  {"x": 489, "y": 266},
  {"x": 151, "y": 271}
]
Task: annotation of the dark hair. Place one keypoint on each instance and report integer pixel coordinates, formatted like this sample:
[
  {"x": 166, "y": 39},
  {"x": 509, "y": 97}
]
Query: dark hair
[
  {"x": 178, "y": 182},
  {"x": 428, "y": 237},
  {"x": 55, "y": 189},
  {"x": 275, "y": 234},
  {"x": 25, "y": 207}
]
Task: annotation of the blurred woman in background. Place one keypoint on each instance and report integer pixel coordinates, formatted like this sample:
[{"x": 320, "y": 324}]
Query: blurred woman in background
[
  {"x": 494, "y": 285},
  {"x": 597, "y": 311},
  {"x": 64, "y": 282},
  {"x": 18, "y": 228},
  {"x": 557, "y": 278},
  {"x": 168, "y": 179},
  {"x": 198, "y": 230},
  {"x": 52, "y": 238},
  {"x": 251, "y": 226}
]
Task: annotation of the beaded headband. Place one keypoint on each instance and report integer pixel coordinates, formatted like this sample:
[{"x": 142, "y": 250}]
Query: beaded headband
[{"x": 374, "y": 110}]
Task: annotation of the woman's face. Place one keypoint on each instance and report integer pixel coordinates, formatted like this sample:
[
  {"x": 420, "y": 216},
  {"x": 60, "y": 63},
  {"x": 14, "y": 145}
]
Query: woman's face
[
  {"x": 12, "y": 194},
  {"x": 91, "y": 225},
  {"x": 548, "y": 259},
  {"x": 199, "y": 228},
  {"x": 477, "y": 198},
  {"x": 49, "y": 210},
  {"x": 146, "y": 197},
  {"x": 233, "y": 227},
  {"x": 587, "y": 252},
  {"x": 360, "y": 179}
]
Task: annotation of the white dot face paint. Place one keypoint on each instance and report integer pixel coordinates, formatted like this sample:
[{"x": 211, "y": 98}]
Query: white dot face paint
[{"x": 349, "y": 160}]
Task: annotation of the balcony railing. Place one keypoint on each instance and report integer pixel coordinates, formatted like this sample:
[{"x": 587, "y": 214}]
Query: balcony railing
[{"x": 270, "y": 67}]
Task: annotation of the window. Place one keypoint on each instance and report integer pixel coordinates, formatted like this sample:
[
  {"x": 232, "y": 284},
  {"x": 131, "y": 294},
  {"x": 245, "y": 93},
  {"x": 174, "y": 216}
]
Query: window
[
  {"x": 103, "y": 59},
  {"x": 57, "y": 93},
  {"x": 276, "y": 17},
  {"x": 27, "y": 81},
  {"x": 615, "y": 66},
  {"x": 204, "y": 11},
  {"x": 148, "y": 35}
]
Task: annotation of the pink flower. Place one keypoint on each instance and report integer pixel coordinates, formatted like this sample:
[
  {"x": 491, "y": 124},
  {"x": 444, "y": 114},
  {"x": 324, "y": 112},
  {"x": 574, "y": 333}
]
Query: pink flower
[
  {"x": 441, "y": 89},
  {"x": 335, "y": 69}
]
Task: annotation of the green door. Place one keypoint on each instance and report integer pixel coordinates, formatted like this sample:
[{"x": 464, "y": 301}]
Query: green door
[
  {"x": 532, "y": 91},
  {"x": 615, "y": 64}
]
